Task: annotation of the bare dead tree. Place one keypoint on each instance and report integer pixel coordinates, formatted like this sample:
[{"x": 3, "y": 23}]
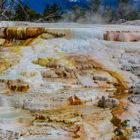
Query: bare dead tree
[{"x": 7, "y": 9}]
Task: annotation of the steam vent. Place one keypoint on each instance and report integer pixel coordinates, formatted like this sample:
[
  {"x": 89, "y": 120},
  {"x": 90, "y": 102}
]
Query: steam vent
[{"x": 69, "y": 82}]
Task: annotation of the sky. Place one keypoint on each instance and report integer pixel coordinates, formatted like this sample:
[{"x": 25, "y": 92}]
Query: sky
[{"x": 39, "y": 5}]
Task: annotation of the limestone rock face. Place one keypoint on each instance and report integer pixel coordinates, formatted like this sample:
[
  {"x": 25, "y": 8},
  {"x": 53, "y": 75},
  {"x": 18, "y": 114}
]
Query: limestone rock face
[
  {"x": 122, "y": 36},
  {"x": 68, "y": 81},
  {"x": 20, "y": 33}
]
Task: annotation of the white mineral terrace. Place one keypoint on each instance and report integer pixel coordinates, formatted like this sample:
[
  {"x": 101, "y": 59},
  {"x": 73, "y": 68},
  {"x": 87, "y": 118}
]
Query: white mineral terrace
[{"x": 69, "y": 81}]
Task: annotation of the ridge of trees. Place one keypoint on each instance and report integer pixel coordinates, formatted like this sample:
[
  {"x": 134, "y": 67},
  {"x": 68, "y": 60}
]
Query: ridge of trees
[{"x": 55, "y": 13}]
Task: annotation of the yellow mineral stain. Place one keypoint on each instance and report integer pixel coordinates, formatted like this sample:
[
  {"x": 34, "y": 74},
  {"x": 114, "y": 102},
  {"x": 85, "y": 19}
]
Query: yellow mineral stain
[
  {"x": 16, "y": 50},
  {"x": 28, "y": 75},
  {"x": 43, "y": 61},
  {"x": 65, "y": 61},
  {"x": 27, "y": 41},
  {"x": 116, "y": 112},
  {"x": 4, "y": 65}
]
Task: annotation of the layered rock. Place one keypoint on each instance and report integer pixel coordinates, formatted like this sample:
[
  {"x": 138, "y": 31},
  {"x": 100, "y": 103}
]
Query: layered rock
[{"x": 122, "y": 36}]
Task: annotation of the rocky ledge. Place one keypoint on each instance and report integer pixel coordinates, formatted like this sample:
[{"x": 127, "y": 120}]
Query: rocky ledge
[{"x": 69, "y": 81}]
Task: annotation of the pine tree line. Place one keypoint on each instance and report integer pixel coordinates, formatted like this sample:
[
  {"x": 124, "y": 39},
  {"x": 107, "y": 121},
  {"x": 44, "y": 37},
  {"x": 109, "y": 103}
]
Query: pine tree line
[
  {"x": 53, "y": 13},
  {"x": 18, "y": 11}
]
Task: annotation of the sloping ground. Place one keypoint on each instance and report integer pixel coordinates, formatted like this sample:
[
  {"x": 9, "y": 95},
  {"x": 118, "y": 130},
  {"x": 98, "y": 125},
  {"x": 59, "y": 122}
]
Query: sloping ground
[
  {"x": 60, "y": 81},
  {"x": 133, "y": 22}
]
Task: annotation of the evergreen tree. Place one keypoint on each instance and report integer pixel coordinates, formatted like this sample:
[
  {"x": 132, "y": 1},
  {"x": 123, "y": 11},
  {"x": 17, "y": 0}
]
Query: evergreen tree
[
  {"x": 94, "y": 5},
  {"x": 124, "y": 9},
  {"x": 24, "y": 13},
  {"x": 20, "y": 15},
  {"x": 52, "y": 12}
]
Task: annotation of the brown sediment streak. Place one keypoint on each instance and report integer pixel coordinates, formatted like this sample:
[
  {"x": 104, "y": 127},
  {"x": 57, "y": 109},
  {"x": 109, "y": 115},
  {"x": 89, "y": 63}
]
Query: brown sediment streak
[
  {"x": 22, "y": 33},
  {"x": 60, "y": 32},
  {"x": 120, "y": 109},
  {"x": 123, "y": 85},
  {"x": 113, "y": 73},
  {"x": 106, "y": 35},
  {"x": 17, "y": 85},
  {"x": 119, "y": 78},
  {"x": 117, "y": 120}
]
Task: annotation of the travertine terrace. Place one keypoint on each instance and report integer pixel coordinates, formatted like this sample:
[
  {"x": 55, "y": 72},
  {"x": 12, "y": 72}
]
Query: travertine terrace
[{"x": 69, "y": 81}]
